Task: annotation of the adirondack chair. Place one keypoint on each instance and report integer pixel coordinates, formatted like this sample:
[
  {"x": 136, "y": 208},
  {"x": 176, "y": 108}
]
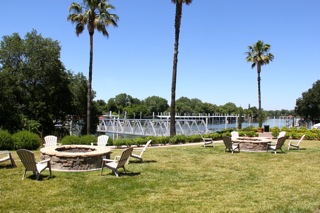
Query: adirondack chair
[
  {"x": 207, "y": 141},
  {"x": 30, "y": 164},
  {"x": 114, "y": 165},
  {"x": 278, "y": 145},
  {"x": 295, "y": 143},
  {"x": 6, "y": 156},
  {"x": 51, "y": 140},
  {"x": 140, "y": 151},
  {"x": 102, "y": 140},
  {"x": 230, "y": 146},
  {"x": 234, "y": 135}
]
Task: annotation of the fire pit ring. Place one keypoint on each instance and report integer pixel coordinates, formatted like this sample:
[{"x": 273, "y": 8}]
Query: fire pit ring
[{"x": 75, "y": 158}]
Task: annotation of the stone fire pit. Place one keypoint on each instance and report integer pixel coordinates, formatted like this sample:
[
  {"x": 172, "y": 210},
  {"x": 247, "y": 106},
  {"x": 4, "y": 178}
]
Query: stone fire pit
[
  {"x": 75, "y": 157},
  {"x": 253, "y": 144}
]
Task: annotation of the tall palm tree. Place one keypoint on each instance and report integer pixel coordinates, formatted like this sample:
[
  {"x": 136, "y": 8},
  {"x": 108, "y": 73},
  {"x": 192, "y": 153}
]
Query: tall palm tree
[
  {"x": 95, "y": 15},
  {"x": 177, "y": 25},
  {"x": 259, "y": 55}
]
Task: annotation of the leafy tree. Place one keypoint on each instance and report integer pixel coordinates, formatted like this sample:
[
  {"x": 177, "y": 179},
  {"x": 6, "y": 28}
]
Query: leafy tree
[
  {"x": 156, "y": 104},
  {"x": 32, "y": 80},
  {"x": 177, "y": 24},
  {"x": 229, "y": 108},
  {"x": 95, "y": 16},
  {"x": 184, "y": 106},
  {"x": 102, "y": 107},
  {"x": 259, "y": 55},
  {"x": 308, "y": 106}
]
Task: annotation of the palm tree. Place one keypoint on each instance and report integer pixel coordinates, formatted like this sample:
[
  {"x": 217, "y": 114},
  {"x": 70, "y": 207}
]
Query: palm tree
[
  {"x": 95, "y": 15},
  {"x": 259, "y": 55},
  {"x": 177, "y": 24}
]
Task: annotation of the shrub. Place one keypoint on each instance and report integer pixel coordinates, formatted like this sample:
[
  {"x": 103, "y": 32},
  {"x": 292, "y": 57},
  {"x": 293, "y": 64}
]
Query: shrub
[
  {"x": 251, "y": 134},
  {"x": 249, "y": 128},
  {"x": 160, "y": 140},
  {"x": 140, "y": 141},
  {"x": 124, "y": 141},
  {"x": 70, "y": 139},
  {"x": 275, "y": 131},
  {"x": 311, "y": 136},
  {"x": 88, "y": 139},
  {"x": 178, "y": 139},
  {"x": 6, "y": 140},
  {"x": 194, "y": 138},
  {"x": 26, "y": 140}
]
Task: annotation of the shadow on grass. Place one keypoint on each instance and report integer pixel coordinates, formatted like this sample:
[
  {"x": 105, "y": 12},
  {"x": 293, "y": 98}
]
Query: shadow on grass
[
  {"x": 41, "y": 178},
  {"x": 8, "y": 166},
  {"x": 121, "y": 174},
  {"x": 145, "y": 161}
]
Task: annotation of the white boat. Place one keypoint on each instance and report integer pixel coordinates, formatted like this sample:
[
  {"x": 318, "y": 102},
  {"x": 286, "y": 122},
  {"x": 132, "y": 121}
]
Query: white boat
[{"x": 316, "y": 126}]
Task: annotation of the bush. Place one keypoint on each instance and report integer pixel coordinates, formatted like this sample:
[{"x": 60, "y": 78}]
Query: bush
[
  {"x": 194, "y": 138},
  {"x": 123, "y": 142},
  {"x": 70, "y": 139},
  {"x": 178, "y": 139},
  {"x": 26, "y": 140},
  {"x": 6, "y": 140},
  {"x": 140, "y": 141},
  {"x": 88, "y": 139},
  {"x": 160, "y": 140}
]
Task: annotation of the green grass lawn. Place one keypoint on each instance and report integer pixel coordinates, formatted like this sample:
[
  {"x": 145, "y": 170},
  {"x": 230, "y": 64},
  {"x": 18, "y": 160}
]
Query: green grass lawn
[{"x": 175, "y": 179}]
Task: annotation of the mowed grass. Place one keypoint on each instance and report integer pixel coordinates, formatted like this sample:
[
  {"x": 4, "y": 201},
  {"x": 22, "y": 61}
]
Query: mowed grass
[{"x": 176, "y": 179}]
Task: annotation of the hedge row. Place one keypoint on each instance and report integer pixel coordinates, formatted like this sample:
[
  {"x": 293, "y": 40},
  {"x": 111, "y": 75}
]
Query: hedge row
[
  {"x": 32, "y": 141},
  {"x": 19, "y": 140}
]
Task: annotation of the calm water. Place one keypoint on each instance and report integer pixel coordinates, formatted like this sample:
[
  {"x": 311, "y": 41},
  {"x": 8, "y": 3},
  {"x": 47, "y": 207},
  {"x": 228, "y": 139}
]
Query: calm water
[{"x": 270, "y": 122}]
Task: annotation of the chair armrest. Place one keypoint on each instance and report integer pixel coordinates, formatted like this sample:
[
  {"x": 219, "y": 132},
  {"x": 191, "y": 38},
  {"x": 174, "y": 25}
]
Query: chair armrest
[
  {"x": 207, "y": 139},
  {"x": 108, "y": 160},
  {"x": 45, "y": 161}
]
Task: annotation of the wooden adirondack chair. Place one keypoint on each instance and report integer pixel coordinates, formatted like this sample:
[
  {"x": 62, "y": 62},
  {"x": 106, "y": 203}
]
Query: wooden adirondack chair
[
  {"x": 30, "y": 164},
  {"x": 51, "y": 140},
  {"x": 114, "y": 165},
  {"x": 140, "y": 151},
  {"x": 278, "y": 145},
  {"x": 102, "y": 140},
  {"x": 6, "y": 156},
  {"x": 230, "y": 146},
  {"x": 295, "y": 143}
]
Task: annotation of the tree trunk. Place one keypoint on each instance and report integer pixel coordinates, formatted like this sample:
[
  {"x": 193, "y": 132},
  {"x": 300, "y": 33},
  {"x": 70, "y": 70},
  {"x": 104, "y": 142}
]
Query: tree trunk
[
  {"x": 174, "y": 71},
  {"x": 89, "y": 85},
  {"x": 259, "y": 94}
]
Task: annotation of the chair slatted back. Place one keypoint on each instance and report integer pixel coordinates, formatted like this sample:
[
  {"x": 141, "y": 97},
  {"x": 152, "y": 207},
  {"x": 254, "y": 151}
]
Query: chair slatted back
[
  {"x": 124, "y": 157},
  {"x": 227, "y": 142},
  {"x": 145, "y": 146},
  {"x": 103, "y": 140},
  {"x": 234, "y": 134},
  {"x": 50, "y": 140},
  {"x": 280, "y": 142},
  {"x": 301, "y": 139},
  {"x": 282, "y": 134},
  {"x": 27, "y": 159}
]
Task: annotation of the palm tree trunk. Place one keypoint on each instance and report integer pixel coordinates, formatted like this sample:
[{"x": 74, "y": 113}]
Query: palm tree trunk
[
  {"x": 174, "y": 71},
  {"x": 89, "y": 85},
  {"x": 259, "y": 94}
]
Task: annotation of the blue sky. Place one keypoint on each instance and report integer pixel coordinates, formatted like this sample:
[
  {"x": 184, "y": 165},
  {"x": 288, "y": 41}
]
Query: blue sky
[{"x": 215, "y": 34}]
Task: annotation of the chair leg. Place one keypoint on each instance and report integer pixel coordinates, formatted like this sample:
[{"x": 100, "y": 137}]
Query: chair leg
[
  {"x": 50, "y": 171},
  {"x": 116, "y": 172},
  {"x": 24, "y": 174},
  {"x": 101, "y": 169},
  {"x": 37, "y": 175}
]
